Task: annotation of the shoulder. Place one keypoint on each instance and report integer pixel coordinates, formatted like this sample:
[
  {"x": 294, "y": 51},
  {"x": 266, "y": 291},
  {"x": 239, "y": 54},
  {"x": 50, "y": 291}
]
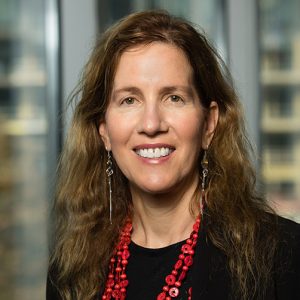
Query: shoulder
[
  {"x": 51, "y": 289},
  {"x": 289, "y": 227},
  {"x": 287, "y": 260},
  {"x": 286, "y": 230},
  {"x": 289, "y": 237}
]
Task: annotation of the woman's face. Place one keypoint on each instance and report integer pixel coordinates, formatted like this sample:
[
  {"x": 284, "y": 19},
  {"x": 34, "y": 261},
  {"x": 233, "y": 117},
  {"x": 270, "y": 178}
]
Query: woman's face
[{"x": 155, "y": 125}]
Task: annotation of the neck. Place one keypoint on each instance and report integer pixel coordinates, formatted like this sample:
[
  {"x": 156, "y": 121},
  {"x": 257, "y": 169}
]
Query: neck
[{"x": 163, "y": 219}]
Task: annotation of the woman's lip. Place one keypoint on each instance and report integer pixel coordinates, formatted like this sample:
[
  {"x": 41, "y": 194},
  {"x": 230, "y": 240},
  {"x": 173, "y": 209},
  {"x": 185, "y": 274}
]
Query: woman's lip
[
  {"x": 154, "y": 160},
  {"x": 153, "y": 146}
]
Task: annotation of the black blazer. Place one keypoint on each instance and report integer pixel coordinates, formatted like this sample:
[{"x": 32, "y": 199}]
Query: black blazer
[{"x": 211, "y": 279}]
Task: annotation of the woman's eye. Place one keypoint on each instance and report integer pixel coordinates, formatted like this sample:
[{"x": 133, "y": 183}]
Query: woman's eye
[
  {"x": 128, "y": 101},
  {"x": 175, "y": 98}
]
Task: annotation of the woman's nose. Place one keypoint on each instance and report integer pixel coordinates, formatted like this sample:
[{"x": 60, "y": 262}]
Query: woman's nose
[{"x": 152, "y": 121}]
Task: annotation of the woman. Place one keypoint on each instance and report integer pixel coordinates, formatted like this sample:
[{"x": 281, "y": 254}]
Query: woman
[{"x": 156, "y": 196}]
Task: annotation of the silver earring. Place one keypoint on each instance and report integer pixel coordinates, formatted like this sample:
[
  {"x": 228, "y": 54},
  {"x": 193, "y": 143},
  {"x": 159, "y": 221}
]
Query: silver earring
[
  {"x": 109, "y": 172},
  {"x": 204, "y": 165}
]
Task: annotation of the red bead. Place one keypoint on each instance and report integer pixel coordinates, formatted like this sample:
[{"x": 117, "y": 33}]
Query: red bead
[
  {"x": 196, "y": 227},
  {"x": 109, "y": 290},
  {"x": 118, "y": 269},
  {"x": 116, "y": 294},
  {"x": 174, "y": 292},
  {"x": 123, "y": 290},
  {"x": 124, "y": 262},
  {"x": 188, "y": 261},
  {"x": 128, "y": 227},
  {"x": 125, "y": 254},
  {"x": 127, "y": 240},
  {"x": 182, "y": 276},
  {"x": 181, "y": 256},
  {"x": 177, "y": 283},
  {"x": 161, "y": 296},
  {"x": 189, "y": 241},
  {"x": 174, "y": 272},
  {"x": 117, "y": 286},
  {"x": 168, "y": 298},
  {"x": 112, "y": 260},
  {"x": 195, "y": 235},
  {"x": 170, "y": 279},
  {"x": 185, "y": 268},
  {"x": 166, "y": 288},
  {"x": 124, "y": 283},
  {"x": 178, "y": 265},
  {"x": 123, "y": 276},
  {"x": 192, "y": 252},
  {"x": 110, "y": 275},
  {"x": 190, "y": 291},
  {"x": 110, "y": 282},
  {"x": 186, "y": 248}
]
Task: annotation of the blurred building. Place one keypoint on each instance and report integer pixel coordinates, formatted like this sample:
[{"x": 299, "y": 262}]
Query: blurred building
[
  {"x": 28, "y": 138},
  {"x": 280, "y": 123}
]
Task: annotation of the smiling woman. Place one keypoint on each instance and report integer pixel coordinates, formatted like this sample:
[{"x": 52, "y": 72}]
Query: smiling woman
[
  {"x": 160, "y": 113},
  {"x": 156, "y": 196}
]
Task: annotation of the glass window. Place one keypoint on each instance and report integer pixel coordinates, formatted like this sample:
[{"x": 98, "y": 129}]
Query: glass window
[
  {"x": 280, "y": 85},
  {"x": 209, "y": 14},
  {"x": 279, "y": 101},
  {"x": 24, "y": 140}
]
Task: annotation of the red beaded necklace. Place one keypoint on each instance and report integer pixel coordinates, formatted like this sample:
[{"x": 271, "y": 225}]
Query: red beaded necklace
[{"x": 117, "y": 281}]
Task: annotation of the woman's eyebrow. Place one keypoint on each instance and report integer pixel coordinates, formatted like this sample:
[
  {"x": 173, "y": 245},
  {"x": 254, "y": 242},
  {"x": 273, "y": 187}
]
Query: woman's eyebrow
[
  {"x": 187, "y": 90},
  {"x": 126, "y": 89}
]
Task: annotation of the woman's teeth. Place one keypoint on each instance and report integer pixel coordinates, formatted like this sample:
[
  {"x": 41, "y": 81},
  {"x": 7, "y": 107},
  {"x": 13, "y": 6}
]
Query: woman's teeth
[{"x": 154, "y": 152}]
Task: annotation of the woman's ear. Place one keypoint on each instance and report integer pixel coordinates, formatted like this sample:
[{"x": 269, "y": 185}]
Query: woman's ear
[
  {"x": 210, "y": 124},
  {"x": 104, "y": 135}
]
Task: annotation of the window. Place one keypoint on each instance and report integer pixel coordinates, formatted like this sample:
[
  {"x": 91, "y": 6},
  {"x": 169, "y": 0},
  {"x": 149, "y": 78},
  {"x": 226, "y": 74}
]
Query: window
[
  {"x": 279, "y": 101},
  {"x": 279, "y": 37},
  {"x": 25, "y": 147},
  {"x": 209, "y": 15}
]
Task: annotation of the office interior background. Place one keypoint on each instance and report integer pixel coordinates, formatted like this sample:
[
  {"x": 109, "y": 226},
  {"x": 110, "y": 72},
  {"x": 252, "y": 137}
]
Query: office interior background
[{"x": 44, "y": 45}]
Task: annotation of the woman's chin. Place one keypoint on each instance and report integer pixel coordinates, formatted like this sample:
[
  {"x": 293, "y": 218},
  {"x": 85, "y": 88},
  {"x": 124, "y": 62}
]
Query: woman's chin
[{"x": 153, "y": 188}]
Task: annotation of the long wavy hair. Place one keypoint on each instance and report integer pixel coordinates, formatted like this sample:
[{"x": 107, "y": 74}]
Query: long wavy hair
[{"x": 84, "y": 239}]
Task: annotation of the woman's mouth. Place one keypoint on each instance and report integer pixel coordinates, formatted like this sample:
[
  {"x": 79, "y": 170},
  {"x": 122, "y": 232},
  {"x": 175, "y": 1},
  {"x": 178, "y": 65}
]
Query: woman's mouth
[{"x": 154, "y": 152}]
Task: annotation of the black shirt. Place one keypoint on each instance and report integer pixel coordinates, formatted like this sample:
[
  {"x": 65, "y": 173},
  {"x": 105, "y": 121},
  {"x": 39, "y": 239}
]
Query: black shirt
[
  {"x": 208, "y": 276},
  {"x": 148, "y": 268}
]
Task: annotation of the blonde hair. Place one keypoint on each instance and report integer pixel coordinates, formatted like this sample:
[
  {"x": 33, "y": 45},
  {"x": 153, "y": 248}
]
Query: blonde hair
[{"x": 84, "y": 238}]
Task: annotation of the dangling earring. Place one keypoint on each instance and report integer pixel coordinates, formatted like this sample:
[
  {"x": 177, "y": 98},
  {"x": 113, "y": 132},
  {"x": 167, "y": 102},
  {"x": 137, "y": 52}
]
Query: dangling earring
[
  {"x": 109, "y": 172},
  {"x": 204, "y": 165}
]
